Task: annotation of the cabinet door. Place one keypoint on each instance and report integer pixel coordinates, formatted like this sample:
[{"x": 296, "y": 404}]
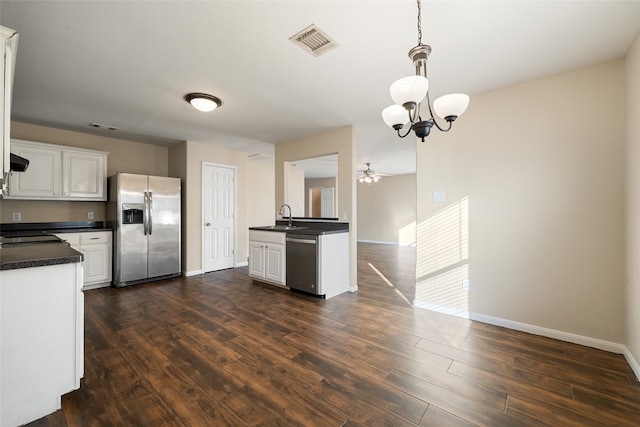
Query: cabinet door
[
  {"x": 256, "y": 259},
  {"x": 274, "y": 263},
  {"x": 97, "y": 263},
  {"x": 84, "y": 176},
  {"x": 42, "y": 178}
]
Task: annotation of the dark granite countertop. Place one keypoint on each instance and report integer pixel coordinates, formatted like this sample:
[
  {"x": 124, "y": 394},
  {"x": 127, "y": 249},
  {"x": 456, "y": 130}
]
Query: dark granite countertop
[
  {"x": 311, "y": 228},
  {"x": 37, "y": 255},
  {"x": 33, "y": 228}
]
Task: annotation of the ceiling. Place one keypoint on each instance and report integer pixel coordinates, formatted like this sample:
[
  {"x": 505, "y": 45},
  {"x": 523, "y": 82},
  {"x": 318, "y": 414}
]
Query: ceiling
[{"x": 128, "y": 64}]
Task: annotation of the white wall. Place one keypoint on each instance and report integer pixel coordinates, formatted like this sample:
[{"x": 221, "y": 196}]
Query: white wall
[
  {"x": 542, "y": 166},
  {"x": 632, "y": 152}
]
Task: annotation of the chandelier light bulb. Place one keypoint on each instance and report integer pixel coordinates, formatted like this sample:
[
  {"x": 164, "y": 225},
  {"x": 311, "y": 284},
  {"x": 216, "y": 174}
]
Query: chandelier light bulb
[
  {"x": 395, "y": 115},
  {"x": 411, "y": 89},
  {"x": 451, "y": 106}
]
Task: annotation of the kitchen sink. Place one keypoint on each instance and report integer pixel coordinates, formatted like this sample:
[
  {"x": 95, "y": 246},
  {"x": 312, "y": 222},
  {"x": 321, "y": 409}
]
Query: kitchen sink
[{"x": 284, "y": 227}]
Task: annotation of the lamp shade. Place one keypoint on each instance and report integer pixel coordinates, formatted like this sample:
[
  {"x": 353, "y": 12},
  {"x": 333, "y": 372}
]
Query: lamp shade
[
  {"x": 395, "y": 115},
  {"x": 452, "y": 105},
  {"x": 409, "y": 89}
]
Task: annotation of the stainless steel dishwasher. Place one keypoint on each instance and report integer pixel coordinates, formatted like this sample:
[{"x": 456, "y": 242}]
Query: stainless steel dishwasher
[{"x": 302, "y": 262}]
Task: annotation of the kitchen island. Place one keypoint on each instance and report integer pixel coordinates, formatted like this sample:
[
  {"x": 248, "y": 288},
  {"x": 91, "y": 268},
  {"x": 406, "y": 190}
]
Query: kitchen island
[
  {"x": 41, "y": 326},
  {"x": 310, "y": 256}
]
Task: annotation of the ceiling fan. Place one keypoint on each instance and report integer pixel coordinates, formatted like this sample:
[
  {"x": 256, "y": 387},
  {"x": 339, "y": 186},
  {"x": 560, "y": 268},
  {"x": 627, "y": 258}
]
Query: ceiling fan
[{"x": 369, "y": 176}]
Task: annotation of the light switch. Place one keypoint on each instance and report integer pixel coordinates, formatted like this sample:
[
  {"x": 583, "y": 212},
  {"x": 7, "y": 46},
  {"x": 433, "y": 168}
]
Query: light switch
[
  {"x": 438, "y": 196},
  {"x": 17, "y": 216}
]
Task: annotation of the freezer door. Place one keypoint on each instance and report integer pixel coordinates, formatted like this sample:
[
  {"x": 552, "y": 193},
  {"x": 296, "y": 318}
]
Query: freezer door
[
  {"x": 130, "y": 249},
  {"x": 164, "y": 226}
]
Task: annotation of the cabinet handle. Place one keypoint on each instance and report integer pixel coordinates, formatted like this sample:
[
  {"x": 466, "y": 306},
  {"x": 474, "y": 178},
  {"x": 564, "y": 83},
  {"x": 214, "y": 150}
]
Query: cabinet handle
[
  {"x": 94, "y": 238},
  {"x": 66, "y": 194}
]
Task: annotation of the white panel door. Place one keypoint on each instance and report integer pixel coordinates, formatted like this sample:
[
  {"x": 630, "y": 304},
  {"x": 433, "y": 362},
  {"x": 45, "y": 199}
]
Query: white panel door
[
  {"x": 328, "y": 210},
  {"x": 218, "y": 187}
]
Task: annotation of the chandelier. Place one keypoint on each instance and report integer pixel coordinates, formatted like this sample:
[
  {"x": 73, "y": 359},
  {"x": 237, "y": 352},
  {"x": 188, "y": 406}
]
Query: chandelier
[{"x": 409, "y": 93}]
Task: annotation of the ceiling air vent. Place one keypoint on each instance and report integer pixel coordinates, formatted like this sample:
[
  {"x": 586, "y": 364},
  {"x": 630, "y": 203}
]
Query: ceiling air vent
[{"x": 314, "y": 40}]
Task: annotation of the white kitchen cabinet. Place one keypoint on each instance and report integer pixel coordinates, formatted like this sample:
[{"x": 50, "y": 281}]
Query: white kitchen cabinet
[
  {"x": 8, "y": 47},
  {"x": 83, "y": 175},
  {"x": 42, "y": 180},
  {"x": 57, "y": 172},
  {"x": 42, "y": 340},
  {"x": 267, "y": 256},
  {"x": 96, "y": 247},
  {"x": 333, "y": 264}
]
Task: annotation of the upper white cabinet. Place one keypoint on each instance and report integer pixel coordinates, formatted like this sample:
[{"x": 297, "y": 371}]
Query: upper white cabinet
[
  {"x": 8, "y": 47},
  {"x": 57, "y": 172},
  {"x": 43, "y": 177},
  {"x": 83, "y": 175}
]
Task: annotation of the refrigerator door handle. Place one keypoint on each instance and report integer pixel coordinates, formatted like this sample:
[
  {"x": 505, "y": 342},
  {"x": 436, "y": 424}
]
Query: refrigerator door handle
[
  {"x": 150, "y": 217},
  {"x": 145, "y": 213}
]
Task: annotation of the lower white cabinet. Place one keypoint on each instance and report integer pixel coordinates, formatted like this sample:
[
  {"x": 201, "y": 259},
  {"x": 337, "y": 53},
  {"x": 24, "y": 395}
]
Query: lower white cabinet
[
  {"x": 267, "y": 256},
  {"x": 96, "y": 248},
  {"x": 42, "y": 340}
]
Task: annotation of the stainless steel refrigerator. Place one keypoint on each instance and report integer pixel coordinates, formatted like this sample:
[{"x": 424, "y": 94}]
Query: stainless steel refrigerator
[{"x": 144, "y": 213}]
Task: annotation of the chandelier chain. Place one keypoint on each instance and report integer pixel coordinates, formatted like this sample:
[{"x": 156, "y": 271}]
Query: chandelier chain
[{"x": 419, "y": 24}]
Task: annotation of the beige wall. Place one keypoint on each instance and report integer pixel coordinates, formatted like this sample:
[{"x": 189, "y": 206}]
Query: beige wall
[
  {"x": 632, "y": 152},
  {"x": 387, "y": 210},
  {"x": 294, "y": 194},
  {"x": 542, "y": 166},
  {"x": 343, "y": 142},
  {"x": 188, "y": 163},
  {"x": 124, "y": 156},
  {"x": 261, "y": 194}
]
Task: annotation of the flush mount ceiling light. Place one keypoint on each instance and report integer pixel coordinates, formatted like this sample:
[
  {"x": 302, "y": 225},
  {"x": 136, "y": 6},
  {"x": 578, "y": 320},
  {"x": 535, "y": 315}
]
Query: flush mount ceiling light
[
  {"x": 409, "y": 92},
  {"x": 202, "y": 101}
]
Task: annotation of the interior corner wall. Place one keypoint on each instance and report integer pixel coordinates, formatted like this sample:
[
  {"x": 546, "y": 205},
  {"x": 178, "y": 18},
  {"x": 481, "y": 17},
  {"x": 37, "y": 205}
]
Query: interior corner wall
[
  {"x": 632, "y": 155},
  {"x": 542, "y": 165},
  {"x": 387, "y": 210},
  {"x": 178, "y": 169},
  {"x": 196, "y": 154},
  {"x": 343, "y": 142},
  {"x": 124, "y": 156}
]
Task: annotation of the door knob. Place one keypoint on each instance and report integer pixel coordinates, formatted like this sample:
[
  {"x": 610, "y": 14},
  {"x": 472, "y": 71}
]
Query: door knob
[{"x": 208, "y": 224}]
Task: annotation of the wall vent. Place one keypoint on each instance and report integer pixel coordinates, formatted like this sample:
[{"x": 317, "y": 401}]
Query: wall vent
[{"x": 314, "y": 40}]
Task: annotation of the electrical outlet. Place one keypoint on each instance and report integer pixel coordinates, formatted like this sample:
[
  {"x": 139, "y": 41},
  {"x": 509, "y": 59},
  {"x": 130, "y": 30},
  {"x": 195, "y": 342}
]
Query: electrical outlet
[
  {"x": 17, "y": 216},
  {"x": 90, "y": 215}
]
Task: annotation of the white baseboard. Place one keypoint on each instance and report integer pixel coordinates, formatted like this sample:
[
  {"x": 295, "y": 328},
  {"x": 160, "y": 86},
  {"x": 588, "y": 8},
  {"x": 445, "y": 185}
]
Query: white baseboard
[
  {"x": 551, "y": 333},
  {"x": 563, "y": 336},
  {"x": 242, "y": 264},
  {"x": 633, "y": 362},
  {"x": 192, "y": 273}
]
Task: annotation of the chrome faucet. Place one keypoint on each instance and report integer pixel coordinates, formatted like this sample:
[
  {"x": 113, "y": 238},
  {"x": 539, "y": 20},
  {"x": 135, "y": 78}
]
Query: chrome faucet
[{"x": 282, "y": 209}]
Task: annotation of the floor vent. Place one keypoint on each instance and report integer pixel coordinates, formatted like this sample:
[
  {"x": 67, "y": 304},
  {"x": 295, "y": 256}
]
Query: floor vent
[{"x": 314, "y": 40}]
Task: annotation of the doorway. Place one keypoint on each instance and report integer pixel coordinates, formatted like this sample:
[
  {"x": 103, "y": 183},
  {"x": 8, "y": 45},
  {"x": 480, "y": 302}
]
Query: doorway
[{"x": 218, "y": 214}]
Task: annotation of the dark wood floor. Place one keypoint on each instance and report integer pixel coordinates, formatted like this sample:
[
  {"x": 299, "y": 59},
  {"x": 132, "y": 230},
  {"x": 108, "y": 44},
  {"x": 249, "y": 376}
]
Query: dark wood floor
[{"x": 219, "y": 349}]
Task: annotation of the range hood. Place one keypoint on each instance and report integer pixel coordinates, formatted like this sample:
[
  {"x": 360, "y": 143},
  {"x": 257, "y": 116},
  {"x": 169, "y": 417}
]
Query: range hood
[{"x": 18, "y": 164}]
